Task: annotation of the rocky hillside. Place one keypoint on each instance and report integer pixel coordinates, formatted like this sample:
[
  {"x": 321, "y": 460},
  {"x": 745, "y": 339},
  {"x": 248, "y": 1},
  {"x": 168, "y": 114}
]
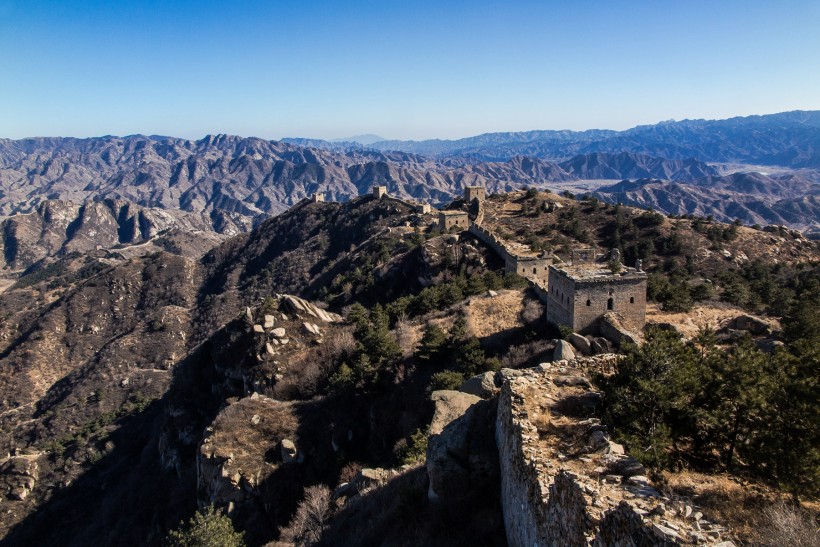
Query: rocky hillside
[
  {"x": 635, "y": 166},
  {"x": 313, "y": 358},
  {"x": 752, "y": 198},
  {"x": 59, "y": 227}
]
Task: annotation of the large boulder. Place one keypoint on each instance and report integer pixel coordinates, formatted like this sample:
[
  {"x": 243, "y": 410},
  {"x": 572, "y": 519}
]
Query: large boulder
[
  {"x": 613, "y": 329},
  {"x": 752, "y": 325},
  {"x": 581, "y": 343},
  {"x": 563, "y": 351},
  {"x": 18, "y": 476},
  {"x": 461, "y": 453},
  {"x": 482, "y": 386}
]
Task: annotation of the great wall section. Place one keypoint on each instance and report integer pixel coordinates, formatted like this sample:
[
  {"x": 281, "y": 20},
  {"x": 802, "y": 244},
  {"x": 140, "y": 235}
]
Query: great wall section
[{"x": 563, "y": 481}]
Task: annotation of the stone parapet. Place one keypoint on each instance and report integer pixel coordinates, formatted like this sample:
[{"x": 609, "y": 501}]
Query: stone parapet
[{"x": 563, "y": 482}]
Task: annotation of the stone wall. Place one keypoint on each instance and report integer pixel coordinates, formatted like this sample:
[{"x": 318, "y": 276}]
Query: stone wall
[
  {"x": 563, "y": 482},
  {"x": 534, "y": 268}
]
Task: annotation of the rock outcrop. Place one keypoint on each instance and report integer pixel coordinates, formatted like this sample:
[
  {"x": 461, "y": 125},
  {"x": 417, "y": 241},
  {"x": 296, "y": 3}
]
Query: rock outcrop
[
  {"x": 460, "y": 451},
  {"x": 563, "y": 351},
  {"x": 482, "y": 385}
]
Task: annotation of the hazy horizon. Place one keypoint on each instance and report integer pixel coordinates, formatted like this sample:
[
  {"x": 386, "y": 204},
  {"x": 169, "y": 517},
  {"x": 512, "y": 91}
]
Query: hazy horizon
[{"x": 418, "y": 71}]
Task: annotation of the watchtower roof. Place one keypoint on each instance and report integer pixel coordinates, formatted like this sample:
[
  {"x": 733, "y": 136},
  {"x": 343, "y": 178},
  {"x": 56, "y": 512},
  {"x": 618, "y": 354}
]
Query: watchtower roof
[{"x": 597, "y": 272}]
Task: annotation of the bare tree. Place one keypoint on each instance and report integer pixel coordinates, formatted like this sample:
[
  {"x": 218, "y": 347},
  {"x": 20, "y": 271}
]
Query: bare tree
[{"x": 307, "y": 524}]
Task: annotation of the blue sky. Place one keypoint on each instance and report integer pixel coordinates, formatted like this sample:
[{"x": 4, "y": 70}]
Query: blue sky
[{"x": 409, "y": 70}]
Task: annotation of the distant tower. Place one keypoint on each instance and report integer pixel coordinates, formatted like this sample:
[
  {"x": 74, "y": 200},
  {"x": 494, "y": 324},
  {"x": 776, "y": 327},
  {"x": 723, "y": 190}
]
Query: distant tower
[
  {"x": 379, "y": 191},
  {"x": 474, "y": 192},
  {"x": 317, "y": 197}
]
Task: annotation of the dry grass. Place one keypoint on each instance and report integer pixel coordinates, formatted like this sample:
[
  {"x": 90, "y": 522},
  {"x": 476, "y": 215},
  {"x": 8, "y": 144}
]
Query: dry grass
[
  {"x": 754, "y": 513},
  {"x": 313, "y": 512},
  {"x": 487, "y": 315},
  {"x": 715, "y": 315},
  {"x": 408, "y": 336}
]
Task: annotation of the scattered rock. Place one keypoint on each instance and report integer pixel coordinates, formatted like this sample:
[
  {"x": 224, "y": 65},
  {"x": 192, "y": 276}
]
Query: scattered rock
[
  {"x": 563, "y": 351},
  {"x": 288, "y": 451},
  {"x": 580, "y": 343},
  {"x": 258, "y": 329},
  {"x": 278, "y": 332},
  {"x": 626, "y": 466},
  {"x": 269, "y": 320},
  {"x": 578, "y": 381}
]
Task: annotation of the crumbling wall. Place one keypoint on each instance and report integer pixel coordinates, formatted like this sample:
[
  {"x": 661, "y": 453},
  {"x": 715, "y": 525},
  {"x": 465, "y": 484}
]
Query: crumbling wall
[{"x": 563, "y": 482}]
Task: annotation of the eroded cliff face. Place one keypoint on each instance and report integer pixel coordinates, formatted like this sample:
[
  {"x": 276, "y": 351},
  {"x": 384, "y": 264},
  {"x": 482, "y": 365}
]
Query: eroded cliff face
[{"x": 563, "y": 482}]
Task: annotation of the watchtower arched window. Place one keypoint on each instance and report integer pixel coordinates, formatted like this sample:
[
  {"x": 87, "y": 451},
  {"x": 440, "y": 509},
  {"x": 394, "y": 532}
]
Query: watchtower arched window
[
  {"x": 610, "y": 304},
  {"x": 589, "y": 302},
  {"x": 631, "y": 299}
]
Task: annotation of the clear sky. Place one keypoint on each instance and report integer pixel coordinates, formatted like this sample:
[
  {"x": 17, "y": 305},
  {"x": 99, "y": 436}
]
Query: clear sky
[{"x": 409, "y": 70}]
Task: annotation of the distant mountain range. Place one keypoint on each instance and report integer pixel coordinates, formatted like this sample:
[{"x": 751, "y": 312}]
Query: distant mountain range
[
  {"x": 788, "y": 139},
  {"x": 225, "y": 184}
]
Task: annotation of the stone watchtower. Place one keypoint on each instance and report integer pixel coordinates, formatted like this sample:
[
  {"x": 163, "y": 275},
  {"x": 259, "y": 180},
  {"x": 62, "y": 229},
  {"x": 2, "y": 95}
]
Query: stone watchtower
[
  {"x": 449, "y": 219},
  {"x": 317, "y": 197},
  {"x": 379, "y": 191},
  {"x": 474, "y": 192},
  {"x": 579, "y": 295}
]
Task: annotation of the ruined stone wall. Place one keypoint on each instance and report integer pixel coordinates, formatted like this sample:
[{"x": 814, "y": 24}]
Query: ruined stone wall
[
  {"x": 422, "y": 208},
  {"x": 535, "y": 269},
  {"x": 563, "y": 482},
  {"x": 491, "y": 240}
]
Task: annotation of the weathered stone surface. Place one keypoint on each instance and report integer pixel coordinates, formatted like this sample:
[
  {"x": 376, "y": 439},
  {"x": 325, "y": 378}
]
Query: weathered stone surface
[
  {"x": 580, "y": 343},
  {"x": 288, "y": 451},
  {"x": 601, "y": 345},
  {"x": 278, "y": 332},
  {"x": 563, "y": 351},
  {"x": 554, "y": 496},
  {"x": 303, "y": 307},
  {"x": 18, "y": 475},
  {"x": 571, "y": 381},
  {"x": 482, "y": 385},
  {"x": 752, "y": 325},
  {"x": 461, "y": 454},
  {"x": 612, "y": 328}
]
